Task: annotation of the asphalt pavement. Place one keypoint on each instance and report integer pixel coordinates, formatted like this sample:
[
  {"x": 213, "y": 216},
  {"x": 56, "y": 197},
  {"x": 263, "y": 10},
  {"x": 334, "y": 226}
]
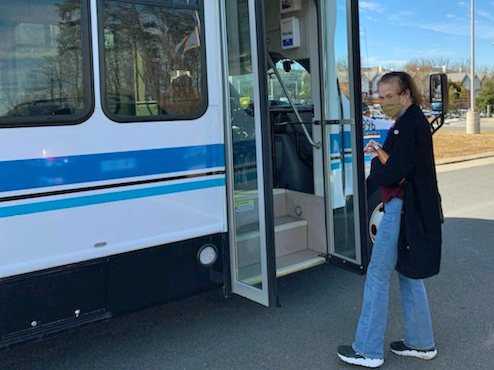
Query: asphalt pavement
[{"x": 319, "y": 311}]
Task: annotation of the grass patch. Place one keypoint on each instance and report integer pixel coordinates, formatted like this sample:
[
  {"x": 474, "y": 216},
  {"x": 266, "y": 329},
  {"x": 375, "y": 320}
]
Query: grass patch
[{"x": 451, "y": 144}]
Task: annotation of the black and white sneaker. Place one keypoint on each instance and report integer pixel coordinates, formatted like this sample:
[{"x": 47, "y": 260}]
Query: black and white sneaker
[
  {"x": 402, "y": 349},
  {"x": 348, "y": 355}
]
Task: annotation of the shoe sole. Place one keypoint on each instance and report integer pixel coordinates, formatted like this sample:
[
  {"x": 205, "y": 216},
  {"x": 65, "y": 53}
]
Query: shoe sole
[
  {"x": 429, "y": 355},
  {"x": 365, "y": 362}
]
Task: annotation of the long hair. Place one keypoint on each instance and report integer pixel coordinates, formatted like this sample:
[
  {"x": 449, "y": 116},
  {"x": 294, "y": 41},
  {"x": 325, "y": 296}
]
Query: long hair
[{"x": 404, "y": 81}]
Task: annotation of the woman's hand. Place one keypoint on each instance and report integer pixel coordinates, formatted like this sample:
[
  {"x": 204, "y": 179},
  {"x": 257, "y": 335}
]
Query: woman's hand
[{"x": 369, "y": 148}]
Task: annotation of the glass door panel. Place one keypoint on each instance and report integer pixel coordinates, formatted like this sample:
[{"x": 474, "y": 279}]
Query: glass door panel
[
  {"x": 246, "y": 193},
  {"x": 339, "y": 132}
]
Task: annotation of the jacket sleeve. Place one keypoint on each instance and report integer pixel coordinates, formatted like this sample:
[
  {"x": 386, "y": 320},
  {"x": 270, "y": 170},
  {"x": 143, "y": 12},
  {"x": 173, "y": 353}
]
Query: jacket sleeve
[{"x": 401, "y": 159}]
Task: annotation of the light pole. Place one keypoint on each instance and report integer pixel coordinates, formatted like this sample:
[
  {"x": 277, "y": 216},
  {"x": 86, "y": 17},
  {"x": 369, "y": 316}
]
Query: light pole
[{"x": 473, "y": 119}]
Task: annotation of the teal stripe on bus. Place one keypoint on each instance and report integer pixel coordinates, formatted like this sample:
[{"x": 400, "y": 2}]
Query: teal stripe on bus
[{"x": 88, "y": 200}]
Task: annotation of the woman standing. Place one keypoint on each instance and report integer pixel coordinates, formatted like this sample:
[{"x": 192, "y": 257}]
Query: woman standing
[{"x": 409, "y": 236}]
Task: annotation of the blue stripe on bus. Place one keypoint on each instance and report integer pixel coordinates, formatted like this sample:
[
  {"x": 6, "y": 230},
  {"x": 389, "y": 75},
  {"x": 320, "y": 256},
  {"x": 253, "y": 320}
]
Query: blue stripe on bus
[
  {"x": 336, "y": 142},
  {"x": 336, "y": 163},
  {"x": 87, "y": 200},
  {"x": 46, "y": 172}
]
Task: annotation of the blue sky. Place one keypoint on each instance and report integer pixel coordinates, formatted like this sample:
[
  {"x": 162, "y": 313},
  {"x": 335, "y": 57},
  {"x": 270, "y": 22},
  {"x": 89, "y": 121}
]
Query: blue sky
[{"x": 394, "y": 31}]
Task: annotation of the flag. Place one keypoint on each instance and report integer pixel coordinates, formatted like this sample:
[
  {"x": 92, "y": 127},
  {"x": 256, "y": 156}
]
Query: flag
[{"x": 189, "y": 42}]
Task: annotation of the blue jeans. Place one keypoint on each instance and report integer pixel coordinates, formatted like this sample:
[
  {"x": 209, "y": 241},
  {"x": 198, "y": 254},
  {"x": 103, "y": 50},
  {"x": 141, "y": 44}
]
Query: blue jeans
[{"x": 369, "y": 338}]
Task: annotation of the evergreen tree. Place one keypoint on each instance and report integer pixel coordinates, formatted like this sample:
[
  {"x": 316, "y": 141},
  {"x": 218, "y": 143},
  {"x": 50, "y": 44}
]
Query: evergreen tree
[{"x": 486, "y": 95}]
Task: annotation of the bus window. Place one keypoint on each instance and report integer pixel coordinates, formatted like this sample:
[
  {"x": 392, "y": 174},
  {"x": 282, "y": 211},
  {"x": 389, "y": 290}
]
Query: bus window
[
  {"x": 154, "y": 60},
  {"x": 43, "y": 69}
]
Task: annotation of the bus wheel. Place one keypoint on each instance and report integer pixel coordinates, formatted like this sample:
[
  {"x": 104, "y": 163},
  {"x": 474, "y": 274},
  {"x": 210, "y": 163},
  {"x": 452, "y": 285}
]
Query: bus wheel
[{"x": 375, "y": 211}]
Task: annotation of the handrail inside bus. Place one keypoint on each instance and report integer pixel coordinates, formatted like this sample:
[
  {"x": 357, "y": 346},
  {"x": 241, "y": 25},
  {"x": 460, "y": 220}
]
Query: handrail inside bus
[{"x": 285, "y": 90}]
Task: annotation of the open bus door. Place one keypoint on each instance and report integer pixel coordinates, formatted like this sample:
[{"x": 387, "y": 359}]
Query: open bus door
[
  {"x": 342, "y": 133},
  {"x": 252, "y": 265},
  {"x": 295, "y": 166}
]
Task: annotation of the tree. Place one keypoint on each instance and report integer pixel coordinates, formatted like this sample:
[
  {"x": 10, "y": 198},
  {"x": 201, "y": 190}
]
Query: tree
[
  {"x": 458, "y": 96},
  {"x": 453, "y": 96},
  {"x": 305, "y": 91},
  {"x": 486, "y": 95},
  {"x": 462, "y": 65}
]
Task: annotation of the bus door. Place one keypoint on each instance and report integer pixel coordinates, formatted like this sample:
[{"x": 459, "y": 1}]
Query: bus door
[
  {"x": 342, "y": 133},
  {"x": 249, "y": 186},
  {"x": 315, "y": 119},
  {"x": 294, "y": 171}
]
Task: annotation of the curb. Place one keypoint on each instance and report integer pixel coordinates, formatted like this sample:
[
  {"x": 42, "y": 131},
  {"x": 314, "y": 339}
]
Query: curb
[{"x": 464, "y": 159}]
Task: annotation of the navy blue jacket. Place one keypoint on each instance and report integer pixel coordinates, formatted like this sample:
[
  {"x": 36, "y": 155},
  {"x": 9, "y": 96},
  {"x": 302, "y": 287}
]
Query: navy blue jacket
[{"x": 411, "y": 157}]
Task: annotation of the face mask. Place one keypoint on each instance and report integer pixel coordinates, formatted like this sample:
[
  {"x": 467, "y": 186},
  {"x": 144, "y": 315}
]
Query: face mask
[{"x": 392, "y": 107}]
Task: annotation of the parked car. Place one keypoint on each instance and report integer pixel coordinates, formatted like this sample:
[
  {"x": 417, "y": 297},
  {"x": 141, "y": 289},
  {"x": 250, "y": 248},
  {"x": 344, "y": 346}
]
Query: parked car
[
  {"x": 45, "y": 107},
  {"x": 374, "y": 113},
  {"x": 427, "y": 112},
  {"x": 365, "y": 109}
]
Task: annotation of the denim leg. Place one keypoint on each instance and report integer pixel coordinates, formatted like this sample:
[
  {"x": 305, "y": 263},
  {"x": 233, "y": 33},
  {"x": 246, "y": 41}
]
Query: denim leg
[
  {"x": 419, "y": 333},
  {"x": 369, "y": 337}
]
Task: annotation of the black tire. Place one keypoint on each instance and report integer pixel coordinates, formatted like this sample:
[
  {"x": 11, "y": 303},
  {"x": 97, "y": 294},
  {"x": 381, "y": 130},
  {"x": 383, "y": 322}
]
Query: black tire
[{"x": 375, "y": 211}]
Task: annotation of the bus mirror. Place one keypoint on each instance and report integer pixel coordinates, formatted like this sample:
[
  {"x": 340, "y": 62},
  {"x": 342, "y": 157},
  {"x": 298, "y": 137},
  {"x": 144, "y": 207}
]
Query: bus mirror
[
  {"x": 287, "y": 65},
  {"x": 439, "y": 92}
]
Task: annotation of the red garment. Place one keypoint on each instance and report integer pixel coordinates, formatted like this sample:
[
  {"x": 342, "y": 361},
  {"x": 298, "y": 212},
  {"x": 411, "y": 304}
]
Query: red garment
[{"x": 388, "y": 192}]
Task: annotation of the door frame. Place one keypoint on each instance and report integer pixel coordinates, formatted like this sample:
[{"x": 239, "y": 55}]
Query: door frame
[
  {"x": 359, "y": 133},
  {"x": 267, "y": 163}
]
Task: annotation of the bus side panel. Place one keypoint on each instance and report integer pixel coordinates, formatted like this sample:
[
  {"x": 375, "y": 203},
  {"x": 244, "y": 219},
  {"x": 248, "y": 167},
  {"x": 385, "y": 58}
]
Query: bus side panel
[
  {"x": 75, "y": 193},
  {"x": 89, "y": 200},
  {"x": 147, "y": 277},
  {"x": 36, "y": 304},
  {"x": 53, "y": 236}
]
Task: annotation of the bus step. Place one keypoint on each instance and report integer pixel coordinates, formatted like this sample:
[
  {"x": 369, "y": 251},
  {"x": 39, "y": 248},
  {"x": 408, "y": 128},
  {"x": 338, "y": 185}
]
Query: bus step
[{"x": 290, "y": 237}]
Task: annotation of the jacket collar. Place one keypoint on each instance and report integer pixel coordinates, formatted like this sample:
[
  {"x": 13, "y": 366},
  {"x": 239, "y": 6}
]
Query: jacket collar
[{"x": 411, "y": 110}]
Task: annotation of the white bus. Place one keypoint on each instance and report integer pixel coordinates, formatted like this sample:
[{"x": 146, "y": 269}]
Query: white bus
[{"x": 147, "y": 152}]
